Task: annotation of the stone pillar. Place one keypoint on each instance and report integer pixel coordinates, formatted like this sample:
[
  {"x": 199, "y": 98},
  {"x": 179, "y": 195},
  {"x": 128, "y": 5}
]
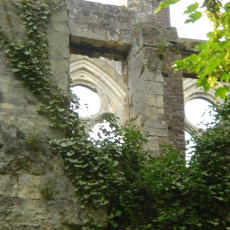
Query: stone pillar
[
  {"x": 174, "y": 101},
  {"x": 151, "y": 82}
]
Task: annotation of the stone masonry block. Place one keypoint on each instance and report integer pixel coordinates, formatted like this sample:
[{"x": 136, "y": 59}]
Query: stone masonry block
[
  {"x": 11, "y": 226},
  {"x": 57, "y": 187},
  {"x": 156, "y": 132},
  {"x": 4, "y": 106},
  {"x": 151, "y": 113},
  {"x": 58, "y": 45},
  {"x": 61, "y": 28},
  {"x": 155, "y": 88},
  {"x": 154, "y": 100},
  {"x": 8, "y": 186},
  {"x": 155, "y": 124},
  {"x": 152, "y": 144},
  {"x": 29, "y": 186},
  {"x": 9, "y": 131},
  {"x": 60, "y": 16},
  {"x": 59, "y": 66},
  {"x": 153, "y": 76},
  {"x": 31, "y": 213}
]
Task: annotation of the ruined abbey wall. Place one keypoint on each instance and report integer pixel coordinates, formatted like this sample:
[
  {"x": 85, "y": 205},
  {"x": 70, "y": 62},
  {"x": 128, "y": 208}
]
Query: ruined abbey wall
[
  {"x": 30, "y": 175},
  {"x": 35, "y": 192},
  {"x": 132, "y": 36}
]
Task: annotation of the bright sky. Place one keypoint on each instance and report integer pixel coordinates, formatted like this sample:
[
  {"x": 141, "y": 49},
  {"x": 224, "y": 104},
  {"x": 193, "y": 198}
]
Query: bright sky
[
  {"x": 198, "y": 30},
  {"x": 89, "y": 101},
  {"x": 189, "y": 147},
  {"x": 198, "y": 112}
]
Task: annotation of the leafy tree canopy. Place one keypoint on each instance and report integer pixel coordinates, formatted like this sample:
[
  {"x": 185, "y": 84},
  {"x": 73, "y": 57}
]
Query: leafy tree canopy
[{"x": 212, "y": 63}]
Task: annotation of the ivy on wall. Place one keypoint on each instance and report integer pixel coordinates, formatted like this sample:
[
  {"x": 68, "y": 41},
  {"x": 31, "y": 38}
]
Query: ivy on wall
[
  {"x": 140, "y": 192},
  {"x": 29, "y": 60}
]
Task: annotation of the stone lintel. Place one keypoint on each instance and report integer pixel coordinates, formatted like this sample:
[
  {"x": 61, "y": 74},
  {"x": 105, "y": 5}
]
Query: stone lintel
[
  {"x": 95, "y": 49},
  {"x": 100, "y": 25}
]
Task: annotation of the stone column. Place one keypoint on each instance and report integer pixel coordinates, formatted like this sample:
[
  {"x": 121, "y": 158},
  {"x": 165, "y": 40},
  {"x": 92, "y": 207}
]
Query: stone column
[
  {"x": 151, "y": 82},
  {"x": 174, "y": 101}
]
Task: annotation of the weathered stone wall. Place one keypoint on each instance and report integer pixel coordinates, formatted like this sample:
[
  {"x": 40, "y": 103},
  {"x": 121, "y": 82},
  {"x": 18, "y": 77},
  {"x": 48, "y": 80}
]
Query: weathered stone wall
[
  {"x": 174, "y": 101},
  {"x": 102, "y": 26},
  {"x": 110, "y": 28},
  {"x": 132, "y": 35},
  {"x": 108, "y": 78},
  {"x": 144, "y": 11},
  {"x": 35, "y": 192},
  {"x": 156, "y": 95}
]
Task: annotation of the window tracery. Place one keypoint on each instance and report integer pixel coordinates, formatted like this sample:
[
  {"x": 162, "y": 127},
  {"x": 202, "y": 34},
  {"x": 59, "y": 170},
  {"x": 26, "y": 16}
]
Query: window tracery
[{"x": 104, "y": 82}]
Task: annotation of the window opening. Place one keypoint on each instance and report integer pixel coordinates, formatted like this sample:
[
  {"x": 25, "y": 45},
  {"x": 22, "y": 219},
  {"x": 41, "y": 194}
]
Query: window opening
[
  {"x": 108, "y": 77},
  {"x": 200, "y": 113},
  {"x": 89, "y": 100},
  {"x": 103, "y": 131},
  {"x": 96, "y": 132},
  {"x": 190, "y": 143}
]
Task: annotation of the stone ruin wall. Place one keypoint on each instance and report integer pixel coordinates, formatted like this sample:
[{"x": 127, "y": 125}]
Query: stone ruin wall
[
  {"x": 132, "y": 35},
  {"x": 153, "y": 100},
  {"x": 25, "y": 172}
]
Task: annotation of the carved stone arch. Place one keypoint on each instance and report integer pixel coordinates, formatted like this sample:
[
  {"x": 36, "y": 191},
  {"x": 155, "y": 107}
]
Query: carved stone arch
[
  {"x": 85, "y": 72},
  {"x": 191, "y": 92}
]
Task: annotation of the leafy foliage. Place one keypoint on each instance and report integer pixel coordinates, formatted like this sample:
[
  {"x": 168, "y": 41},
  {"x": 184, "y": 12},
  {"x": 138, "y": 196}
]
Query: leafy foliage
[
  {"x": 140, "y": 192},
  {"x": 165, "y": 4},
  {"x": 29, "y": 61},
  {"x": 212, "y": 62}
]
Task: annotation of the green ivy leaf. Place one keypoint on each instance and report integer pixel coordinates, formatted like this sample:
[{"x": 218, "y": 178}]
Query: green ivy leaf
[
  {"x": 221, "y": 92},
  {"x": 211, "y": 66},
  {"x": 52, "y": 116},
  {"x": 191, "y": 8},
  {"x": 15, "y": 70},
  {"x": 165, "y": 4},
  {"x": 194, "y": 17},
  {"x": 70, "y": 154},
  {"x": 61, "y": 110},
  {"x": 225, "y": 77}
]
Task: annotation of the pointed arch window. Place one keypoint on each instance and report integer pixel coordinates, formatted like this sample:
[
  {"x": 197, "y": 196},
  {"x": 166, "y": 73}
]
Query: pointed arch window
[{"x": 89, "y": 100}]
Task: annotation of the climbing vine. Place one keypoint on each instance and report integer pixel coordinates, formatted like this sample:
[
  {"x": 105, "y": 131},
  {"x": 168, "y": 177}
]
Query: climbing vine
[
  {"x": 140, "y": 192},
  {"x": 29, "y": 60}
]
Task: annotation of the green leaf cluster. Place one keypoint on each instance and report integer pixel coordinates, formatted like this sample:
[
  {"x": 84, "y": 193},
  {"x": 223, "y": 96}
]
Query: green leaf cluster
[
  {"x": 29, "y": 60},
  {"x": 212, "y": 63},
  {"x": 192, "y": 12},
  {"x": 165, "y": 4}
]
